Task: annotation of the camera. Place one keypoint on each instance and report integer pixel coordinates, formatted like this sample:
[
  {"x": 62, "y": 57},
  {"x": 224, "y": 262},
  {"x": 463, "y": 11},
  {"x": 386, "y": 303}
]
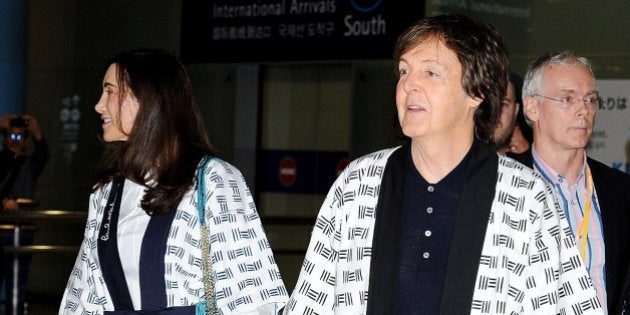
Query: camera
[{"x": 18, "y": 122}]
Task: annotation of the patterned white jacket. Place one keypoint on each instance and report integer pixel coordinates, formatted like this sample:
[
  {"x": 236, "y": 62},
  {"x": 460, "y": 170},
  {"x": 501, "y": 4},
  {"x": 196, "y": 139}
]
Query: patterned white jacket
[
  {"x": 511, "y": 252},
  {"x": 248, "y": 279}
]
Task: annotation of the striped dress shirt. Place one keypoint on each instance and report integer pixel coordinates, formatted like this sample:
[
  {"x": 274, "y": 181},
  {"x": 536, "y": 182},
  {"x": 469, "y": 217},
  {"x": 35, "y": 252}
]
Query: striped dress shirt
[{"x": 573, "y": 198}]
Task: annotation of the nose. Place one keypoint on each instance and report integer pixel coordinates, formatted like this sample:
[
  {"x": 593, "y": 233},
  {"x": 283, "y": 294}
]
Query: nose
[
  {"x": 582, "y": 108},
  {"x": 100, "y": 106},
  {"x": 410, "y": 83}
]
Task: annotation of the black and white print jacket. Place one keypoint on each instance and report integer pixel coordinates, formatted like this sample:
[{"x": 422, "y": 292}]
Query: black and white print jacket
[
  {"x": 512, "y": 251},
  {"x": 247, "y": 278}
]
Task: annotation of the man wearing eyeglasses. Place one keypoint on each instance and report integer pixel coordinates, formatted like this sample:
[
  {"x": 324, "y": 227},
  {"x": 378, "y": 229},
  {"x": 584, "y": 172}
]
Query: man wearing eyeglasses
[
  {"x": 19, "y": 170},
  {"x": 560, "y": 101}
]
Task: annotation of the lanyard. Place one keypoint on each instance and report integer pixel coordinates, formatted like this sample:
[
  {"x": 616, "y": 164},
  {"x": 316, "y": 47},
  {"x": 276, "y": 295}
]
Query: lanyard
[{"x": 582, "y": 232}]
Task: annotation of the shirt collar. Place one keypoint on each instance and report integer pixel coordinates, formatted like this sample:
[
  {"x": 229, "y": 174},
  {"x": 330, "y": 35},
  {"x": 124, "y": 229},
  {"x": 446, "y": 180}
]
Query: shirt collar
[{"x": 552, "y": 175}]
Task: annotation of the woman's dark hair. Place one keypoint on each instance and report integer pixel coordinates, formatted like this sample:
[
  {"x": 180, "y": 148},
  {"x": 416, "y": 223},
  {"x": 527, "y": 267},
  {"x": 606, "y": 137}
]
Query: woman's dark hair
[
  {"x": 168, "y": 138},
  {"x": 482, "y": 54}
]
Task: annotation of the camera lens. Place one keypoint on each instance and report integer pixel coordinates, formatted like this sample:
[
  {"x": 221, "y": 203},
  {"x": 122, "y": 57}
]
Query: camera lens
[{"x": 16, "y": 136}]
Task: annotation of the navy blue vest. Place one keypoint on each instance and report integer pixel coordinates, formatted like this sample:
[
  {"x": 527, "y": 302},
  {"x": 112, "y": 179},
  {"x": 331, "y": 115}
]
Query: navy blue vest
[{"x": 152, "y": 284}]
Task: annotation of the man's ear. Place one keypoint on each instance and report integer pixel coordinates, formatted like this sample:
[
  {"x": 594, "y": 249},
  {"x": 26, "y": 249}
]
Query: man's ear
[
  {"x": 474, "y": 102},
  {"x": 531, "y": 108}
]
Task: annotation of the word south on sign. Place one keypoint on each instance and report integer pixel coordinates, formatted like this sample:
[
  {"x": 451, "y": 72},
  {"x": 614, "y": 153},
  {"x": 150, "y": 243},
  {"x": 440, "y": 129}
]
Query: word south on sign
[{"x": 357, "y": 27}]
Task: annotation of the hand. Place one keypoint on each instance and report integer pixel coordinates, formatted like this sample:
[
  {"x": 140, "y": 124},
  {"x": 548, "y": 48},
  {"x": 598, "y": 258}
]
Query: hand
[
  {"x": 33, "y": 127},
  {"x": 9, "y": 204},
  {"x": 5, "y": 120}
]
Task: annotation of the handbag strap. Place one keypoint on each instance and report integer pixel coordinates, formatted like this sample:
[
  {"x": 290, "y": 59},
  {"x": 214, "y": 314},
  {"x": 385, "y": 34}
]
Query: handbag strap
[{"x": 208, "y": 284}]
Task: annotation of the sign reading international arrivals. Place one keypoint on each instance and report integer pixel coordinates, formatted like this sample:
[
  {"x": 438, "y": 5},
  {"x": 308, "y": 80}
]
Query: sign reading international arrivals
[{"x": 293, "y": 30}]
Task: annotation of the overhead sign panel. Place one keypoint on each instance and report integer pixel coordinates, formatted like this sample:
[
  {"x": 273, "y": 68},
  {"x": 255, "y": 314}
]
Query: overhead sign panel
[{"x": 293, "y": 30}]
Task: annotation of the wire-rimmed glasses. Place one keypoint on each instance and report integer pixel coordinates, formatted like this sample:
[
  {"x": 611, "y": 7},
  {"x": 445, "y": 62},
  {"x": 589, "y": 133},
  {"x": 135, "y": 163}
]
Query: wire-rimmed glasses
[{"x": 569, "y": 102}]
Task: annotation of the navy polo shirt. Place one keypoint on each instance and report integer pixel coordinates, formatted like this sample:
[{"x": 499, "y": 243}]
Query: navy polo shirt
[{"x": 428, "y": 221}]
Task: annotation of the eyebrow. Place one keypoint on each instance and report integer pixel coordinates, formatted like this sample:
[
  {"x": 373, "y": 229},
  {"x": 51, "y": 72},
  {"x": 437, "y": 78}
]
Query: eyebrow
[
  {"x": 107, "y": 84},
  {"x": 572, "y": 91},
  {"x": 429, "y": 60}
]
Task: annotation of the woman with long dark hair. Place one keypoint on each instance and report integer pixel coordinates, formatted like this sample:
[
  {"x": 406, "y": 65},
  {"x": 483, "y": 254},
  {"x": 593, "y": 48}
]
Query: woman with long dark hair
[{"x": 171, "y": 229}]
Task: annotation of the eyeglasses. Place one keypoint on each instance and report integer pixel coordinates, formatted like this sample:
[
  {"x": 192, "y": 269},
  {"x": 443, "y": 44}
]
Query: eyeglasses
[{"x": 569, "y": 102}]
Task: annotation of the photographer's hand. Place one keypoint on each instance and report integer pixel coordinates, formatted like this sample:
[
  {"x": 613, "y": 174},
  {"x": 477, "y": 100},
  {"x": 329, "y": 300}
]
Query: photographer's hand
[
  {"x": 33, "y": 127},
  {"x": 5, "y": 120}
]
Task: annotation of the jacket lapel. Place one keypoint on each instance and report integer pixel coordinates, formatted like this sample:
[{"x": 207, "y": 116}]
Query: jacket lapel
[
  {"x": 473, "y": 213},
  {"x": 615, "y": 219},
  {"x": 387, "y": 229}
]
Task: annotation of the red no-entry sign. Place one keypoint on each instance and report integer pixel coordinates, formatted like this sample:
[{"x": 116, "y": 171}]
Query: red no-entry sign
[{"x": 287, "y": 171}]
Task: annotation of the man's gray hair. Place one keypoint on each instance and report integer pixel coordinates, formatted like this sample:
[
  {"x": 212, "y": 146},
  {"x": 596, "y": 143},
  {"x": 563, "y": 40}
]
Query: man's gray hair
[{"x": 532, "y": 83}]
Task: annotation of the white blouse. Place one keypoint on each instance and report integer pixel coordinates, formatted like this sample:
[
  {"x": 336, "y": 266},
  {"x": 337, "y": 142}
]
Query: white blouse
[{"x": 132, "y": 224}]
